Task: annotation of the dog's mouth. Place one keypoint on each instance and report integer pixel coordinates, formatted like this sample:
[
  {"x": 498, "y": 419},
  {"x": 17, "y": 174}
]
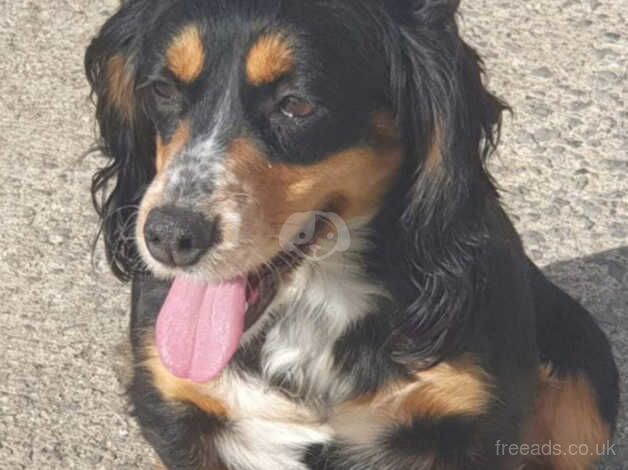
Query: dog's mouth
[
  {"x": 201, "y": 324},
  {"x": 262, "y": 284}
]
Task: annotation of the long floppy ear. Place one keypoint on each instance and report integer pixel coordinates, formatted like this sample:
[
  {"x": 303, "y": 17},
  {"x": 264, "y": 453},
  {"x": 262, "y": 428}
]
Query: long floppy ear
[
  {"x": 449, "y": 123},
  {"x": 448, "y": 119},
  {"x": 126, "y": 134}
]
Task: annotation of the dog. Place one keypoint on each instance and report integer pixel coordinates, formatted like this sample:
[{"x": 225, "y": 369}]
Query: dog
[{"x": 322, "y": 274}]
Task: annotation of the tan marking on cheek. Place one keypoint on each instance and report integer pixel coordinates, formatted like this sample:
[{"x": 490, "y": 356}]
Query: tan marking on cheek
[
  {"x": 567, "y": 415},
  {"x": 352, "y": 181},
  {"x": 175, "y": 389},
  {"x": 166, "y": 150},
  {"x": 185, "y": 56},
  {"x": 120, "y": 92},
  {"x": 270, "y": 58}
]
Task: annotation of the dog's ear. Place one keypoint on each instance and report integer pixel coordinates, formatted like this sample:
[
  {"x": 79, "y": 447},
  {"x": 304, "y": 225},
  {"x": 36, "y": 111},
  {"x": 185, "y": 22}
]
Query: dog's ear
[
  {"x": 428, "y": 12},
  {"x": 126, "y": 134},
  {"x": 448, "y": 120},
  {"x": 449, "y": 123}
]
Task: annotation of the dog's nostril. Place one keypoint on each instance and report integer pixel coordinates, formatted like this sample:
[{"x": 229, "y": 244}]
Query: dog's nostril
[
  {"x": 185, "y": 244},
  {"x": 177, "y": 236}
]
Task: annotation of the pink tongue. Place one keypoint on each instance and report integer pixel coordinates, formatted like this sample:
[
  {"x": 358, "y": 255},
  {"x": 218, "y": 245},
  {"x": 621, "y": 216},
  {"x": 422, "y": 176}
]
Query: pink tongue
[{"x": 200, "y": 326}]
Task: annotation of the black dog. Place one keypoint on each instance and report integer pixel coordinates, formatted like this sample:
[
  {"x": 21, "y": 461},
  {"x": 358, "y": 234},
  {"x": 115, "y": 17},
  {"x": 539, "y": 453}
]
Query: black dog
[{"x": 333, "y": 283}]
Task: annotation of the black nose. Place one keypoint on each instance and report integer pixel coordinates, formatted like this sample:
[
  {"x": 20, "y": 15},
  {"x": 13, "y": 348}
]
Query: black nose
[{"x": 176, "y": 236}]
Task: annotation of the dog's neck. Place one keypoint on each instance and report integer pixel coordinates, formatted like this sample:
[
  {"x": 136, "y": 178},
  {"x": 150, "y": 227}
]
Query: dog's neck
[{"x": 305, "y": 334}]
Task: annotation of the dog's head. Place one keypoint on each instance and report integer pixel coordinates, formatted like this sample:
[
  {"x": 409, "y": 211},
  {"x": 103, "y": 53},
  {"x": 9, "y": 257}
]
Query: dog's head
[{"x": 235, "y": 127}]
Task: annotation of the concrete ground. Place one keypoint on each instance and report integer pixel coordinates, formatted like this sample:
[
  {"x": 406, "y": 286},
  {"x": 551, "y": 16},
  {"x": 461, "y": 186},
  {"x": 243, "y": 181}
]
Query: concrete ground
[{"x": 563, "y": 166}]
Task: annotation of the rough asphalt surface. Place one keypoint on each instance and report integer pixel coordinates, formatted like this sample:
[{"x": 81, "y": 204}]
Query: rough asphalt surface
[{"x": 563, "y": 167}]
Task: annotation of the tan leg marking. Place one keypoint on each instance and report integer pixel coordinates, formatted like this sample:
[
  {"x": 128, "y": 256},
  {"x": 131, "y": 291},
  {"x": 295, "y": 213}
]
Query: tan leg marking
[
  {"x": 270, "y": 58},
  {"x": 455, "y": 388},
  {"x": 567, "y": 415},
  {"x": 186, "y": 54}
]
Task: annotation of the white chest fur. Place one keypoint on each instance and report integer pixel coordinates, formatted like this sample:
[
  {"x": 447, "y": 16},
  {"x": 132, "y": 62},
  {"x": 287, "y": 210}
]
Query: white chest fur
[
  {"x": 320, "y": 305},
  {"x": 269, "y": 429}
]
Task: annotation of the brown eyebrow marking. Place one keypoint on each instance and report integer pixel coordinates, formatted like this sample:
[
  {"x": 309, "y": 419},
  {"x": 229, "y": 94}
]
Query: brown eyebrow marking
[
  {"x": 270, "y": 58},
  {"x": 185, "y": 56}
]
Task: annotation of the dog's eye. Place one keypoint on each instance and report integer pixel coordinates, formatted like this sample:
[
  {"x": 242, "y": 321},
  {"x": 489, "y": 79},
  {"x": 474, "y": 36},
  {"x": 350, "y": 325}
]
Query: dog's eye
[
  {"x": 296, "y": 107},
  {"x": 164, "y": 90}
]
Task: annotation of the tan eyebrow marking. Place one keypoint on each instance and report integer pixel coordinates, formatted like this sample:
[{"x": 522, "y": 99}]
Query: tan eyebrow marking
[
  {"x": 186, "y": 54},
  {"x": 270, "y": 58}
]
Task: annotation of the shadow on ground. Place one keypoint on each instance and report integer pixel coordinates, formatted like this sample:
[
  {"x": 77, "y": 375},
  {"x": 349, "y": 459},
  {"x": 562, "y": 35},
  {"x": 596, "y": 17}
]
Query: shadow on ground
[{"x": 600, "y": 283}]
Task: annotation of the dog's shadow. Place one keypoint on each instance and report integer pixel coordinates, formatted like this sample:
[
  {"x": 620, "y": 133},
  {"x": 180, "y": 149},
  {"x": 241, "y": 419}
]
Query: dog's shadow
[{"x": 600, "y": 283}]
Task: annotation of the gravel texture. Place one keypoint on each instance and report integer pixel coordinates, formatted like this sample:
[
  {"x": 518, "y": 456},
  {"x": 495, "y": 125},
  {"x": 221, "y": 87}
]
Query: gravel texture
[{"x": 563, "y": 166}]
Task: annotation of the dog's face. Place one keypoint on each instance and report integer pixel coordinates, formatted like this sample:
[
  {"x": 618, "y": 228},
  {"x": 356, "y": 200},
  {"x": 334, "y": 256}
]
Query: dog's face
[
  {"x": 239, "y": 130},
  {"x": 261, "y": 125}
]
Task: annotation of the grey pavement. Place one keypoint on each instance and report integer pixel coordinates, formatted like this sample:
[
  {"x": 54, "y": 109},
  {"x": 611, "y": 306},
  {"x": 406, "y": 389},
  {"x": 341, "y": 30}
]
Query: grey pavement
[{"x": 563, "y": 166}]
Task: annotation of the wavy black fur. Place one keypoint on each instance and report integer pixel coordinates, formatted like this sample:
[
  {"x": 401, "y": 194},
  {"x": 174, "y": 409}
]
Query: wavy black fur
[{"x": 443, "y": 247}]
